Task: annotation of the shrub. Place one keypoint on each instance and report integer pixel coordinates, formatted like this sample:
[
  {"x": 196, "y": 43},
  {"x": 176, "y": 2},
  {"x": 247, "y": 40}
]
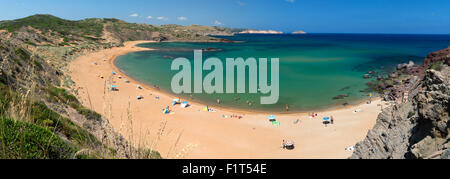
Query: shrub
[
  {"x": 43, "y": 116},
  {"x": 411, "y": 114},
  {"x": 437, "y": 66},
  {"x": 61, "y": 95},
  {"x": 24, "y": 55}
]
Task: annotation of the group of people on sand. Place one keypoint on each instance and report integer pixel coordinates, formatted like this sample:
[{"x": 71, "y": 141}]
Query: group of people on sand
[
  {"x": 236, "y": 116},
  {"x": 313, "y": 115}
]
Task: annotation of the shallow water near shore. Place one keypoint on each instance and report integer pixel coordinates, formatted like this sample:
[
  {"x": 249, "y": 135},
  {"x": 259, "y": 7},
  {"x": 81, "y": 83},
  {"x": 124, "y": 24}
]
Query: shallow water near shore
[{"x": 314, "y": 68}]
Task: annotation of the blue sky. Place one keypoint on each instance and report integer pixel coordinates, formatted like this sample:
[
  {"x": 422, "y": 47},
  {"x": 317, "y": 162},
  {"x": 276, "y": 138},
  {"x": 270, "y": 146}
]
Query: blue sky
[{"x": 315, "y": 16}]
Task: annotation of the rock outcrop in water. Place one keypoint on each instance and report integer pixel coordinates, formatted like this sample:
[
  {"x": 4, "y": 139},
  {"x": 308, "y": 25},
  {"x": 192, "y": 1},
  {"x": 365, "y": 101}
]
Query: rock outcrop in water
[{"x": 419, "y": 126}]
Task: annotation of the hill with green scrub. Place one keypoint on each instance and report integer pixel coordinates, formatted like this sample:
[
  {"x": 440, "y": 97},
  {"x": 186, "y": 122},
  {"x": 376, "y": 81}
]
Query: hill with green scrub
[{"x": 39, "y": 117}]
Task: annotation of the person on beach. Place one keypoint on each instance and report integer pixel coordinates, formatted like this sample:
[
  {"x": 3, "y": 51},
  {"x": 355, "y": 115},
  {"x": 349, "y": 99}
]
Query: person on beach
[
  {"x": 287, "y": 107},
  {"x": 332, "y": 120}
]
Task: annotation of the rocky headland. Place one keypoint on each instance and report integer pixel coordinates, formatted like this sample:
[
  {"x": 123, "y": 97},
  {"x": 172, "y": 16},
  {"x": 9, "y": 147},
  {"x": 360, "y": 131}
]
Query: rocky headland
[{"x": 417, "y": 125}]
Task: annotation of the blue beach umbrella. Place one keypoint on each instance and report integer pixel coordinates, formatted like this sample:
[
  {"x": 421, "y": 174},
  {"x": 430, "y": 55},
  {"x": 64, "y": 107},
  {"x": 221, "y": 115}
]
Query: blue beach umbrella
[
  {"x": 272, "y": 118},
  {"x": 166, "y": 111},
  {"x": 326, "y": 120}
]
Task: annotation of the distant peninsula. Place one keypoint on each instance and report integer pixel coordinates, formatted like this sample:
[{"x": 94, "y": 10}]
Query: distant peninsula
[
  {"x": 299, "y": 32},
  {"x": 260, "y": 32}
]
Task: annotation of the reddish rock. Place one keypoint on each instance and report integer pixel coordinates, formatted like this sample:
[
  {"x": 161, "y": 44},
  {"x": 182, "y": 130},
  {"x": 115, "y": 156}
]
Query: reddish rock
[{"x": 441, "y": 55}]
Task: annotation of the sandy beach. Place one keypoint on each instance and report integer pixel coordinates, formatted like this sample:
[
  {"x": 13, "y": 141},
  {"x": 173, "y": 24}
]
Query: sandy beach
[{"x": 193, "y": 133}]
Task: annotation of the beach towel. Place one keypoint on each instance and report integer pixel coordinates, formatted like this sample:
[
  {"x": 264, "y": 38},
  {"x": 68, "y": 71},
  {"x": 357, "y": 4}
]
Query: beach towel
[{"x": 276, "y": 123}]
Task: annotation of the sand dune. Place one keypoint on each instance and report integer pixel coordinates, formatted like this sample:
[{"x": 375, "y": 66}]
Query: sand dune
[{"x": 193, "y": 133}]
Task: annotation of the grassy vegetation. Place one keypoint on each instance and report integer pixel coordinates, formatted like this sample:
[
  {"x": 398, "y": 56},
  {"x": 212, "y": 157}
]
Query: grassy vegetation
[
  {"x": 39, "y": 128},
  {"x": 46, "y": 23},
  {"x": 437, "y": 66},
  {"x": 45, "y": 117},
  {"x": 19, "y": 140},
  {"x": 5, "y": 98},
  {"x": 61, "y": 95},
  {"x": 411, "y": 114},
  {"x": 23, "y": 54},
  {"x": 37, "y": 64}
]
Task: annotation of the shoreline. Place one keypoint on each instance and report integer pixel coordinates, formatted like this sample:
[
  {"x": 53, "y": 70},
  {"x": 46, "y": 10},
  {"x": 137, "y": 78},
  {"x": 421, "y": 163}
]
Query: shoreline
[
  {"x": 198, "y": 102},
  {"x": 193, "y": 133}
]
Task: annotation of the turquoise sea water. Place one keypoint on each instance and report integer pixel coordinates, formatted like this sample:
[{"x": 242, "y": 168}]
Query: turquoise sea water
[{"x": 314, "y": 68}]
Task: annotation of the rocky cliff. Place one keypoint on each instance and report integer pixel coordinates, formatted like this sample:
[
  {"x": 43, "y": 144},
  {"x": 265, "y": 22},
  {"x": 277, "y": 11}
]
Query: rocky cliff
[{"x": 417, "y": 126}]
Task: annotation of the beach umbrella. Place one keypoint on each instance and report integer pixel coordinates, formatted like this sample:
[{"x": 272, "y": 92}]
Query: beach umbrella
[
  {"x": 326, "y": 120},
  {"x": 175, "y": 102},
  {"x": 113, "y": 88},
  {"x": 184, "y": 104},
  {"x": 272, "y": 118},
  {"x": 166, "y": 111}
]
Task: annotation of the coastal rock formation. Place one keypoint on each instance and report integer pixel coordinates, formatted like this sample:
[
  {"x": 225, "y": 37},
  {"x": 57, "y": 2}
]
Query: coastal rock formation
[
  {"x": 419, "y": 126},
  {"x": 439, "y": 56}
]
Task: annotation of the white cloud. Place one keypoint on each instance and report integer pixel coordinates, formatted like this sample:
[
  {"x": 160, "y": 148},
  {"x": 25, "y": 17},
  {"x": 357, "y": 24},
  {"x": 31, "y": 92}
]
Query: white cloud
[
  {"x": 182, "y": 18},
  {"x": 291, "y": 1},
  {"x": 134, "y": 15},
  {"x": 218, "y": 23},
  {"x": 162, "y": 18},
  {"x": 149, "y": 17}
]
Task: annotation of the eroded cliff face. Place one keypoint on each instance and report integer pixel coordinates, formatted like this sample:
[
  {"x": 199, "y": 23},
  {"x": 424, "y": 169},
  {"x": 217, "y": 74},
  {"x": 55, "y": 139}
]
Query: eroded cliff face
[{"x": 418, "y": 128}]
